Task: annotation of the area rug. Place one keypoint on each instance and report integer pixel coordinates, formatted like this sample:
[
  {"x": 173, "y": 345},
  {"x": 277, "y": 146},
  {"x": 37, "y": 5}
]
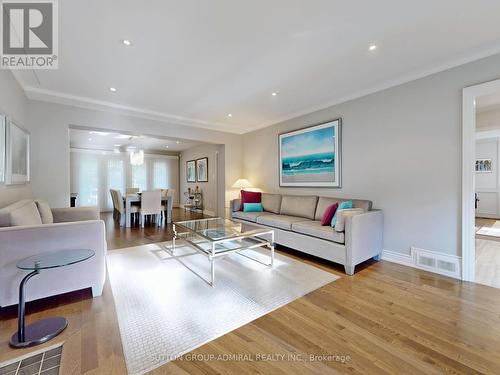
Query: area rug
[
  {"x": 166, "y": 308},
  {"x": 493, "y": 231}
]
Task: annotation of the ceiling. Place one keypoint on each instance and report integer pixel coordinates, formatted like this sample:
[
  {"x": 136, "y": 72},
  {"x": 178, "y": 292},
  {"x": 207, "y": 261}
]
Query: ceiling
[
  {"x": 104, "y": 140},
  {"x": 193, "y": 62}
]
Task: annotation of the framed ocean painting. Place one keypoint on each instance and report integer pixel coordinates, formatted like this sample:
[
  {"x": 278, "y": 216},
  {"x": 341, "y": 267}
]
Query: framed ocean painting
[{"x": 311, "y": 156}]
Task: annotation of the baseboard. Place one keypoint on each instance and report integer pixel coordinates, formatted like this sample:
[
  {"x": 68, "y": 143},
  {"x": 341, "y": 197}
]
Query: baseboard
[{"x": 432, "y": 261}]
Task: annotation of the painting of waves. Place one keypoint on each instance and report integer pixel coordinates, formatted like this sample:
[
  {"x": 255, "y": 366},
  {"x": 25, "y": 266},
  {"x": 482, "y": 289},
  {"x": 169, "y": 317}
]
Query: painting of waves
[{"x": 308, "y": 156}]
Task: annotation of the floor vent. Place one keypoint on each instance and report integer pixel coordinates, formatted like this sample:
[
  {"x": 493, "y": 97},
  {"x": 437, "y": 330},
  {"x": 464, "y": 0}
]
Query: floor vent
[
  {"x": 443, "y": 264},
  {"x": 45, "y": 362}
]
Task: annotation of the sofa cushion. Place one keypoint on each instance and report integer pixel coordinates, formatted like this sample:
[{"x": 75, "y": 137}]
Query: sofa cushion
[
  {"x": 45, "y": 212},
  {"x": 315, "y": 229},
  {"x": 299, "y": 205},
  {"x": 279, "y": 221},
  {"x": 271, "y": 202},
  {"x": 5, "y": 211},
  {"x": 343, "y": 214},
  {"x": 324, "y": 202},
  {"x": 249, "y": 216},
  {"x": 25, "y": 215}
]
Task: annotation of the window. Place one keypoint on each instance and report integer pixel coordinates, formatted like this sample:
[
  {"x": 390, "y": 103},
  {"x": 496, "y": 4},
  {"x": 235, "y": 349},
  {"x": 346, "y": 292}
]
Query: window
[
  {"x": 140, "y": 177},
  {"x": 160, "y": 179},
  {"x": 88, "y": 177},
  {"x": 116, "y": 178}
]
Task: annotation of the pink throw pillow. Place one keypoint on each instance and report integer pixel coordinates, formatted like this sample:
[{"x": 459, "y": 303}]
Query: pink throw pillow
[
  {"x": 329, "y": 212},
  {"x": 250, "y": 197}
]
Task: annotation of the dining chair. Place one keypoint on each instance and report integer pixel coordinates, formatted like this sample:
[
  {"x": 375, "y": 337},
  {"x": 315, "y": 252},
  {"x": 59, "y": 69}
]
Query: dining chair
[
  {"x": 113, "y": 200},
  {"x": 151, "y": 205},
  {"x": 132, "y": 190},
  {"x": 120, "y": 207}
]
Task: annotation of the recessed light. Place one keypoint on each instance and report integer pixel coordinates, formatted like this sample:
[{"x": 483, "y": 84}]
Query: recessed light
[
  {"x": 126, "y": 42},
  {"x": 90, "y": 139},
  {"x": 112, "y": 89},
  {"x": 372, "y": 47},
  {"x": 229, "y": 115},
  {"x": 166, "y": 146},
  {"x": 177, "y": 142},
  {"x": 274, "y": 94}
]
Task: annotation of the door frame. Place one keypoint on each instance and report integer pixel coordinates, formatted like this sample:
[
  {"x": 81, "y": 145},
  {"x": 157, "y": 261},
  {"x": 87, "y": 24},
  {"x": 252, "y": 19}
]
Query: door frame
[{"x": 469, "y": 95}]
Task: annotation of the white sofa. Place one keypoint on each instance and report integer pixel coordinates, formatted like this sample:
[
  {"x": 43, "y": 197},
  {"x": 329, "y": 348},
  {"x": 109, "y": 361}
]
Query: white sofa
[
  {"x": 296, "y": 221},
  {"x": 30, "y": 227}
]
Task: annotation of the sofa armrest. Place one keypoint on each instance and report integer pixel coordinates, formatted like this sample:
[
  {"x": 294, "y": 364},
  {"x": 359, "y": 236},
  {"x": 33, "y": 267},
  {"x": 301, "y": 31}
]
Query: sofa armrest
[
  {"x": 364, "y": 235},
  {"x": 68, "y": 214},
  {"x": 19, "y": 242},
  {"x": 235, "y": 205}
]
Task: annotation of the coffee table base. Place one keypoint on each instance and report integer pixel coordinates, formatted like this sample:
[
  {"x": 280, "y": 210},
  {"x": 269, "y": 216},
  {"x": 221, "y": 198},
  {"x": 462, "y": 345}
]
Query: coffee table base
[{"x": 39, "y": 332}]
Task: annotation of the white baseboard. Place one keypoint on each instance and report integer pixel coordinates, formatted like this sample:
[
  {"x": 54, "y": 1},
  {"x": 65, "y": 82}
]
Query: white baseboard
[{"x": 432, "y": 261}]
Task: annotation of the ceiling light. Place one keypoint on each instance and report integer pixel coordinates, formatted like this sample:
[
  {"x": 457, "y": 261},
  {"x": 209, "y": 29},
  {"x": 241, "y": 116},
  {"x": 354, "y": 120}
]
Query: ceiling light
[
  {"x": 229, "y": 115},
  {"x": 166, "y": 146},
  {"x": 90, "y": 139},
  {"x": 274, "y": 94},
  {"x": 372, "y": 47},
  {"x": 177, "y": 142},
  {"x": 118, "y": 145},
  {"x": 112, "y": 89},
  {"x": 126, "y": 42}
]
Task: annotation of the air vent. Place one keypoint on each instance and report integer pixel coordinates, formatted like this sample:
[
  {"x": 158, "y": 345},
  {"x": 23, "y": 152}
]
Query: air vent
[{"x": 443, "y": 264}]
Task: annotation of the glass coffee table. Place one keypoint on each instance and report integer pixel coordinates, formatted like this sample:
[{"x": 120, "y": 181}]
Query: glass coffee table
[
  {"x": 43, "y": 330},
  {"x": 216, "y": 238}
]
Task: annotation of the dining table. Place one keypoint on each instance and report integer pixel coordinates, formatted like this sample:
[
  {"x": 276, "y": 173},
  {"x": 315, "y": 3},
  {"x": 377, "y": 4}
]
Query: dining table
[{"x": 136, "y": 198}]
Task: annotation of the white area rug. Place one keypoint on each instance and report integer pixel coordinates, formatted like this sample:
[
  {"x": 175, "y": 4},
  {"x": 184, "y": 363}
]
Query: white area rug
[{"x": 165, "y": 309}]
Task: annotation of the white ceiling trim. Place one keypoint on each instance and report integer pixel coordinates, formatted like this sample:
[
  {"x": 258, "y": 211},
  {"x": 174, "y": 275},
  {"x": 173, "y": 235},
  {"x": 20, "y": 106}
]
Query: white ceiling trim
[
  {"x": 386, "y": 85},
  {"x": 35, "y": 93}
]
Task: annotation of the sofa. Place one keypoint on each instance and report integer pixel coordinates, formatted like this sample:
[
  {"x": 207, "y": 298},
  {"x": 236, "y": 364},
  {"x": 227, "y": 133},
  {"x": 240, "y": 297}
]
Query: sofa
[
  {"x": 296, "y": 221},
  {"x": 30, "y": 227}
]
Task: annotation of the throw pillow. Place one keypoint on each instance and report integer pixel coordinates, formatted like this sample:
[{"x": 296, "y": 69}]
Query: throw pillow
[
  {"x": 45, "y": 212},
  {"x": 250, "y": 197},
  {"x": 329, "y": 212},
  {"x": 342, "y": 206},
  {"x": 26, "y": 215},
  {"x": 342, "y": 215},
  {"x": 253, "y": 207}
]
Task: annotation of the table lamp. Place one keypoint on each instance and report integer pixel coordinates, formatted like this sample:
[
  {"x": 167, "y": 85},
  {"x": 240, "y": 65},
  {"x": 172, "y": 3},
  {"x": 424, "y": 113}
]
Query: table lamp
[{"x": 242, "y": 184}]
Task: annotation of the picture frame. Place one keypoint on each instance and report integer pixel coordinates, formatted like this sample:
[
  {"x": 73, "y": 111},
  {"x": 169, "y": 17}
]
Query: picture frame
[
  {"x": 3, "y": 145},
  {"x": 311, "y": 156},
  {"x": 202, "y": 169},
  {"x": 191, "y": 171},
  {"x": 18, "y": 154},
  {"x": 484, "y": 166}
]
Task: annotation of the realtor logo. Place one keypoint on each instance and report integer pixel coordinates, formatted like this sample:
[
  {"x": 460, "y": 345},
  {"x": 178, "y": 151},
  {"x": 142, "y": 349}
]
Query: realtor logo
[{"x": 29, "y": 34}]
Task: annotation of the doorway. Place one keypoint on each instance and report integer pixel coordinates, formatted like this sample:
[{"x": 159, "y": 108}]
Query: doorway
[{"x": 481, "y": 184}]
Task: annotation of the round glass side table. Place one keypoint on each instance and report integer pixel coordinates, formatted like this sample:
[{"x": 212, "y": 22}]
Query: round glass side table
[{"x": 43, "y": 330}]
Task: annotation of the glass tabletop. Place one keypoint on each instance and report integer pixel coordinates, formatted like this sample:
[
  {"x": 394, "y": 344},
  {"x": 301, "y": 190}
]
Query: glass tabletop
[
  {"x": 55, "y": 259},
  {"x": 217, "y": 228}
]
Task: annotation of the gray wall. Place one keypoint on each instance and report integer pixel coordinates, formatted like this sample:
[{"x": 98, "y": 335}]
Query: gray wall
[
  {"x": 50, "y": 144},
  {"x": 13, "y": 103},
  {"x": 488, "y": 120},
  {"x": 209, "y": 188},
  {"x": 401, "y": 149}
]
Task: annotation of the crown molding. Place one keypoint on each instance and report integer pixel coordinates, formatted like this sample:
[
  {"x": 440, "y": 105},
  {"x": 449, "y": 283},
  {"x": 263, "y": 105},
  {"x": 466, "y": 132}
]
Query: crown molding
[
  {"x": 50, "y": 96},
  {"x": 35, "y": 93},
  {"x": 450, "y": 64}
]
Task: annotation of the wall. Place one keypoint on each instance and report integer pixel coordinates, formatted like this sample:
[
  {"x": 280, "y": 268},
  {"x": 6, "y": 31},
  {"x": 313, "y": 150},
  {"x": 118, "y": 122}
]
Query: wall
[
  {"x": 209, "y": 188},
  {"x": 50, "y": 144},
  {"x": 487, "y": 183},
  {"x": 401, "y": 149},
  {"x": 13, "y": 103}
]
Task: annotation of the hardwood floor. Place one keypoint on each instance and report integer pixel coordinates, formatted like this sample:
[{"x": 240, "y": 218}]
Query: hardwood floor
[{"x": 386, "y": 318}]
